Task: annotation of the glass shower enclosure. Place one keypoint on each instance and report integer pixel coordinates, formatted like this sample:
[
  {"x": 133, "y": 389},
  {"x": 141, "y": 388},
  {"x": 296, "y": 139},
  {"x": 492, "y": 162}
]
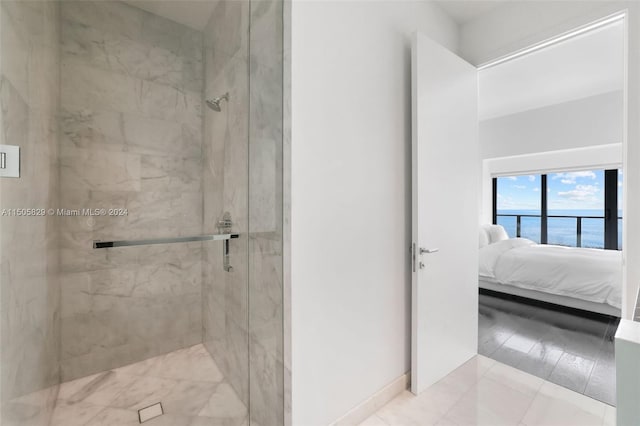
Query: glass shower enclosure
[{"x": 141, "y": 221}]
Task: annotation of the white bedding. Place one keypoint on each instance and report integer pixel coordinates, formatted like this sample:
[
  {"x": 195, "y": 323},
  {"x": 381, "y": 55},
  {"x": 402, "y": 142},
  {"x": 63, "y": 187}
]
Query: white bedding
[{"x": 587, "y": 274}]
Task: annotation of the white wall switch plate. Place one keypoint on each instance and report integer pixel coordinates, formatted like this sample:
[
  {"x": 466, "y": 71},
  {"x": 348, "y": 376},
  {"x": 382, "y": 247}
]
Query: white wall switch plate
[{"x": 9, "y": 161}]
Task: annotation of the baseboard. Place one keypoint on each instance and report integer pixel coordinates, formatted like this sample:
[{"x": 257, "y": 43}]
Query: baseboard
[{"x": 370, "y": 405}]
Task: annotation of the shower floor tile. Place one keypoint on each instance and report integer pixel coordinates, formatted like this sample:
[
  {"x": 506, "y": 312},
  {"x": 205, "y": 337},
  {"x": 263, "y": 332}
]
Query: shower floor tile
[{"x": 189, "y": 384}]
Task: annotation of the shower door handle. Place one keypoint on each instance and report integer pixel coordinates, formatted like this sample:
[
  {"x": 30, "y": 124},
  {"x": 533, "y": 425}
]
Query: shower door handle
[{"x": 225, "y": 256}]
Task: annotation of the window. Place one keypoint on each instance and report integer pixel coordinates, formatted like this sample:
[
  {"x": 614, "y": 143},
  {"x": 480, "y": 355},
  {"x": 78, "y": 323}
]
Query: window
[
  {"x": 519, "y": 206},
  {"x": 576, "y": 199},
  {"x": 576, "y": 209}
]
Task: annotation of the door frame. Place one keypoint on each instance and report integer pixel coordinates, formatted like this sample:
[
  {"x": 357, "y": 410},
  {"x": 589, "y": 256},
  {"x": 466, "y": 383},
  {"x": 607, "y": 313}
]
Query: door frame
[
  {"x": 632, "y": 71},
  {"x": 591, "y": 23}
]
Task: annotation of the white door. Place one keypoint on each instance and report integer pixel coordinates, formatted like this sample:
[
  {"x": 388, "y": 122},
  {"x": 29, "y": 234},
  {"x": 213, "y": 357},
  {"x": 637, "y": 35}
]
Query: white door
[{"x": 446, "y": 184}]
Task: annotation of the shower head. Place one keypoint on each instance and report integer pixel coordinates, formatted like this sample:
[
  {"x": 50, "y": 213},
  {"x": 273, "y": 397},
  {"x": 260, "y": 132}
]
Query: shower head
[{"x": 214, "y": 104}]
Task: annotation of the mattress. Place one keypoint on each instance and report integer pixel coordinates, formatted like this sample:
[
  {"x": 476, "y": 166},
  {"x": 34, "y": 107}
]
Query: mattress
[
  {"x": 601, "y": 308},
  {"x": 587, "y": 274}
]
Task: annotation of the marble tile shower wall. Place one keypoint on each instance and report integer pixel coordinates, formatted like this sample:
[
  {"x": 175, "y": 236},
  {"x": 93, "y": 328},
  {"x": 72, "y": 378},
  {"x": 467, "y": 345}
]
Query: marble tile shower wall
[
  {"x": 29, "y": 285},
  {"x": 225, "y": 175},
  {"x": 266, "y": 296},
  {"x": 131, "y": 138},
  {"x": 243, "y": 175},
  {"x": 130, "y": 125}
]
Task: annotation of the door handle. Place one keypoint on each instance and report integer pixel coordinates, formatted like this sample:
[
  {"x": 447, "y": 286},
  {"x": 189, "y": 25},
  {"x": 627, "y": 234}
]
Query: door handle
[{"x": 428, "y": 251}]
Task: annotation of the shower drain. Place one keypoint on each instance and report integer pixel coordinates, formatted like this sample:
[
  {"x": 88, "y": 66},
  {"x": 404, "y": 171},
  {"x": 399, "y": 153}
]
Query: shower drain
[{"x": 150, "y": 412}]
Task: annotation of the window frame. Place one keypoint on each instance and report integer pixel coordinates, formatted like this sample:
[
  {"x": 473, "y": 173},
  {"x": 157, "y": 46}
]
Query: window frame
[{"x": 610, "y": 206}]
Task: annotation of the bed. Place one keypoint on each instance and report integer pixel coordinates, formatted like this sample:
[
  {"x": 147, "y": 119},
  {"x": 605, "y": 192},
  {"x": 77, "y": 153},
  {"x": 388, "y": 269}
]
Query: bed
[{"x": 580, "y": 278}]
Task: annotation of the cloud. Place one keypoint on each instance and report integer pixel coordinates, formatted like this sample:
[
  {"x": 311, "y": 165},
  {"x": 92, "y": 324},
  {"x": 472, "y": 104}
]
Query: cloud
[
  {"x": 536, "y": 189},
  {"x": 512, "y": 177},
  {"x": 581, "y": 193},
  {"x": 532, "y": 178},
  {"x": 506, "y": 202},
  {"x": 570, "y": 177},
  {"x": 519, "y": 186}
]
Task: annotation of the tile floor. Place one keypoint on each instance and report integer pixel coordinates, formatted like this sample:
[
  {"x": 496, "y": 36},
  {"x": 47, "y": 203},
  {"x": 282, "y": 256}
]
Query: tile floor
[
  {"x": 190, "y": 386},
  {"x": 484, "y": 392},
  {"x": 566, "y": 349}
]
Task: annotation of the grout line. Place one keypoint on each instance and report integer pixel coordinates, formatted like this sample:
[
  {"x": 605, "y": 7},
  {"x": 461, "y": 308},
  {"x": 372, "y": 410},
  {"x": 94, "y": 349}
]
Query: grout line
[
  {"x": 378, "y": 417},
  {"x": 555, "y": 364},
  {"x": 588, "y": 377},
  {"x": 535, "y": 396},
  {"x": 463, "y": 394},
  {"x": 595, "y": 363},
  {"x": 595, "y": 359}
]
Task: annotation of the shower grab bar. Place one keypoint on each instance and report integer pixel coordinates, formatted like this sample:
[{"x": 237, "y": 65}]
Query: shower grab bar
[{"x": 98, "y": 244}]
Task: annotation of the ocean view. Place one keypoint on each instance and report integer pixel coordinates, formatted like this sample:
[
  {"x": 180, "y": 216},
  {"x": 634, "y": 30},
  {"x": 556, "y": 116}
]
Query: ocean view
[{"x": 561, "y": 231}]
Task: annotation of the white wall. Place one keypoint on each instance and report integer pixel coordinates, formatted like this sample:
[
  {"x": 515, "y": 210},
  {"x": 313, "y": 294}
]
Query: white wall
[
  {"x": 510, "y": 27},
  {"x": 351, "y": 198},
  {"x": 577, "y": 135},
  {"x": 592, "y": 121}
]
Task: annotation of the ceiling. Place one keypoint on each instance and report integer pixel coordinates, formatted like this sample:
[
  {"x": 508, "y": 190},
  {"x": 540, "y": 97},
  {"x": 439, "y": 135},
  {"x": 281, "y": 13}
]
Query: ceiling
[
  {"x": 463, "y": 11},
  {"x": 192, "y": 13},
  {"x": 196, "y": 13},
  {"x": 585, "y": 65},
  {"x": 579, "y": 67}
]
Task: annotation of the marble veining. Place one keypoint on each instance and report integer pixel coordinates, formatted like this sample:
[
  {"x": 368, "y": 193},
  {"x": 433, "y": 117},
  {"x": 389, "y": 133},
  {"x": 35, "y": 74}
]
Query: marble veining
[
  {"x": 124, "y": 127},
  {"x": 243, "y": 154},
  {"x": 266, "y": 290},
  {"x": 187, "y": 382},
  {"x": 131, "y": 138},
  {"x": 225, "y": 175},
  {"x": 29, "y": 271}
]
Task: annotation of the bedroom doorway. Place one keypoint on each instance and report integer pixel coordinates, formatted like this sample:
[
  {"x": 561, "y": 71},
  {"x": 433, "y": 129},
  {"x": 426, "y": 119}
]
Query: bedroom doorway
[{"x": 551, "y": 132}]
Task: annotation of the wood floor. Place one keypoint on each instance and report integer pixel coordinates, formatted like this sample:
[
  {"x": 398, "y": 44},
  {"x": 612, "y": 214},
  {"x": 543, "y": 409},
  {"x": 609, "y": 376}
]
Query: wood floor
[{"x": 570, "y": 350}]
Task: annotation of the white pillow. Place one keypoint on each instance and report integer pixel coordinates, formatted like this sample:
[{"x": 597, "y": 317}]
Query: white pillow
[
  {"x": 489, "y": 255},
  {"x": 483, "y": 237},
  {"x": 497, "y": 233}
]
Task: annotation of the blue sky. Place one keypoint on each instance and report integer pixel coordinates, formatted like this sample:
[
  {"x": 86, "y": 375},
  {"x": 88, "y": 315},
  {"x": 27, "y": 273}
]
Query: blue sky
[{"x": 566, "y": 191}]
